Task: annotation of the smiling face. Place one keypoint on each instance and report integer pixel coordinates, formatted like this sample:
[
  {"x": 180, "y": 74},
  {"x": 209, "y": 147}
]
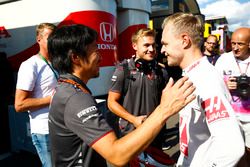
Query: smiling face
[
  {"x": 171, "y": 46},
  {"x": 145, "y": 48},
  {"x": 91, "y": 63}
]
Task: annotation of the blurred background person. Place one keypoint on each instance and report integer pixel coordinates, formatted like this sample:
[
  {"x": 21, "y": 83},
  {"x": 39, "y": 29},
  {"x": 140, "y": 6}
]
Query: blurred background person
[
  {"x": 235, "y": 68},
  {"x": 35, "y": 84},
  {"x": 211, "y": 49}
]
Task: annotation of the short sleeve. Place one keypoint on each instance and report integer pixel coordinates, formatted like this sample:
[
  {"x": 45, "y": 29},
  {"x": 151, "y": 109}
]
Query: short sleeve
[
  {"x": 117, "y": 80},
  {"x": 83, "y": 117},
  {"x": 27, "y": 76}
]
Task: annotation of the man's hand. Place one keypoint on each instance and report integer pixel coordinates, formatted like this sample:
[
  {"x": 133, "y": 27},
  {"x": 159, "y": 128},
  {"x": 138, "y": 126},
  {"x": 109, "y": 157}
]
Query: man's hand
[
  {"x": 176, "y": 96},
  {"x": 139, "y": 120},
  {"x": 231, "y": 83}
]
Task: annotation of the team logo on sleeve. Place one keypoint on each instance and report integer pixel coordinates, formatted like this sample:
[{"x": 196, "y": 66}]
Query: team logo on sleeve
[
  {"x": 87, "y": 113},
  {"x": 215, "y": 109},
  {"x": 114, "y": 78}
]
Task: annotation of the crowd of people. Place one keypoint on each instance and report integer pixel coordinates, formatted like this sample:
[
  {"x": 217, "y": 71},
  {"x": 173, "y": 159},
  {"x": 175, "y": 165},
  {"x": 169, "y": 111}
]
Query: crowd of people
[{"x": 212, "y": 98}]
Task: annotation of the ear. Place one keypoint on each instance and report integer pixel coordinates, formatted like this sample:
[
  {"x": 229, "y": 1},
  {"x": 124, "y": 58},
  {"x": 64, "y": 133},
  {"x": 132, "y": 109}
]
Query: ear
[
  {"x": 186, "y": 42},
  {"x": 38, "y": 38},
  {"x": 134, "y": 45},
  {"x": 74, "y": 58},
  {"x": 205, "y": 43}
]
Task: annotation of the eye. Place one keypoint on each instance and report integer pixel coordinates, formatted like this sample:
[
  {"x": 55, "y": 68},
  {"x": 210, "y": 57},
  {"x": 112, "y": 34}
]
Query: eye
[{"x": 241, "y": 44}]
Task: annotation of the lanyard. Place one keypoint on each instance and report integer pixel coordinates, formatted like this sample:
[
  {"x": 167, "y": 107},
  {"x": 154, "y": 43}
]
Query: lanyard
[
  {"x": 69, "y": 81},
  {"x": 53, "y": 70},
  {"x": 240, "y": 68}
]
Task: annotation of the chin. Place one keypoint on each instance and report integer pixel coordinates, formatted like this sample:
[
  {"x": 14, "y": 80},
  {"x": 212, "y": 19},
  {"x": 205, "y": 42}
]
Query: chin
[
  {"x": 97, "y": 75},
  {"x": 172, "y": 64}
]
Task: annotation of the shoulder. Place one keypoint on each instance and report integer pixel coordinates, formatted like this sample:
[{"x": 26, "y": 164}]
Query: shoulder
[
  {"x": 161, "y": 70},
  {"x": 122, "y": 64},
  {"x": 225, "y": 59},
  {"x": 82, "y": 99},
  {"x": 32, "y": 61},
  {"x": 73, "y": 95},
  {"x": 30, "y": 64},
  {"x": 125, "y": 65},
  {"x": 226, "y": 56}
]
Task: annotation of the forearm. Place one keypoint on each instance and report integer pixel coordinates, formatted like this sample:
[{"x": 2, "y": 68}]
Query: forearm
[
  {"x": 31, "y": 104},
  {"x": 120, "y": 111},
  {"x": 138, "y": 140},
  {"x": 173, "y": 99}
]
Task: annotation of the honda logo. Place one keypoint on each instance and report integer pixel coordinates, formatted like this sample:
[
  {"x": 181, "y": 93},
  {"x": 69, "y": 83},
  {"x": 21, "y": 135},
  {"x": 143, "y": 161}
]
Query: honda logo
[{"x": 106, "y": 32}]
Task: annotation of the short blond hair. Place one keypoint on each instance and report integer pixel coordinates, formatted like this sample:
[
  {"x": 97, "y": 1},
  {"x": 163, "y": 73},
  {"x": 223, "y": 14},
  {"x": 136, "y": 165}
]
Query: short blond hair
[
  {"x": 186, "y": 23},
  {"x": 42, "y": 26},
  {"x": 142, "y": 33}
]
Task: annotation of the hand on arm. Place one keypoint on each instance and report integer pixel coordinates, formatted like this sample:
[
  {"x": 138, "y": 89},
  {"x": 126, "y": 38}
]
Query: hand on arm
[
  {"x": 119, "y": 110},
  {"x": 139, "y": 120},
  {"x": 120, "y": 151},
  {"x": 24, "y": 102}
]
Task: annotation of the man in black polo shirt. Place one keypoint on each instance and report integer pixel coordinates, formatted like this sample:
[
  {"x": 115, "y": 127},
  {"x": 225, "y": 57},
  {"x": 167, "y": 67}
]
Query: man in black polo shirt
[
  {"x": 80, "y": 136},
  {"x": 137, "y": 84}
]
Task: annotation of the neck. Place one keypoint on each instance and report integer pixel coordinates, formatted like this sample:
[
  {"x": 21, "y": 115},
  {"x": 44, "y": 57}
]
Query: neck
[
  {"x": 83, "y": 78},
  {"x": 44, "y": 54},
  {"x": 243, "y": 57},
  {"x": 190, "y": 56},
  {"x": 206, "y": 52}
]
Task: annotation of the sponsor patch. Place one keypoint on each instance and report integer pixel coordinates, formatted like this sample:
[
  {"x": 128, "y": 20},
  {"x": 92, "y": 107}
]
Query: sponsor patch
[
  {"x": 184, "y": 141},
  {"x": 215, "y": 109},
  {"x": 113, "y": 78},
  {"x": 86, "y": 111},
  {"x": 90, "y": 116}
]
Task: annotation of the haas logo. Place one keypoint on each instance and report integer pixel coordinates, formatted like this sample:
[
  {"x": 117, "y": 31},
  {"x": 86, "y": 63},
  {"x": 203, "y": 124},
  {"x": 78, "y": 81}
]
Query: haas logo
[
  {"x": 215, "y": 109},
  {"x": 106, "y": 32}
]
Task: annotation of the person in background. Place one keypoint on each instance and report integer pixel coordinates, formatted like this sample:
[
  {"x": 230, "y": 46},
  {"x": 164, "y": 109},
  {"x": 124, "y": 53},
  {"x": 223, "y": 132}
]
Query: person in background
[
  {"x": 80, "y": 136},
  {"x": 137, "y": 84},
  {"x": 209, "y": 132},
  {"x": 35, "y": 84},
  {"x": 211, "y": 50},
  {"x": 236, "y": 71}
]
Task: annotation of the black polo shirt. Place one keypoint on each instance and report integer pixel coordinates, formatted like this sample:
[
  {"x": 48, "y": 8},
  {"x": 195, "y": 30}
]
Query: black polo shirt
[
  {"x": 143, "y": 93},
  {"x": 212, "y": 58},
  {"x": 75, "y": 123}
]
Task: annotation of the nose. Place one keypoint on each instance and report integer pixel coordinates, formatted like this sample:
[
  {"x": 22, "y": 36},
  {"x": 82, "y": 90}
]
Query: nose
[
  {"x": 235, "y": 47},
  {"x": 162, "y": 50},
  {"x": 151, "y": 48}
]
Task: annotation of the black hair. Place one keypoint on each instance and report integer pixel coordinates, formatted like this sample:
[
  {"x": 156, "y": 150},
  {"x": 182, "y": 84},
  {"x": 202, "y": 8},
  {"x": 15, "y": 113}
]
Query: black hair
[{"x": 67, "y": 40}]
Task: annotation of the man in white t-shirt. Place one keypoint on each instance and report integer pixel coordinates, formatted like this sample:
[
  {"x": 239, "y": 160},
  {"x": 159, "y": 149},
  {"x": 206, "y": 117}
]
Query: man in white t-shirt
[
  {"x": 236, "y": 72},
  {"x": 35, "y": 84},
  {"x": 209, "y": 132}
]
